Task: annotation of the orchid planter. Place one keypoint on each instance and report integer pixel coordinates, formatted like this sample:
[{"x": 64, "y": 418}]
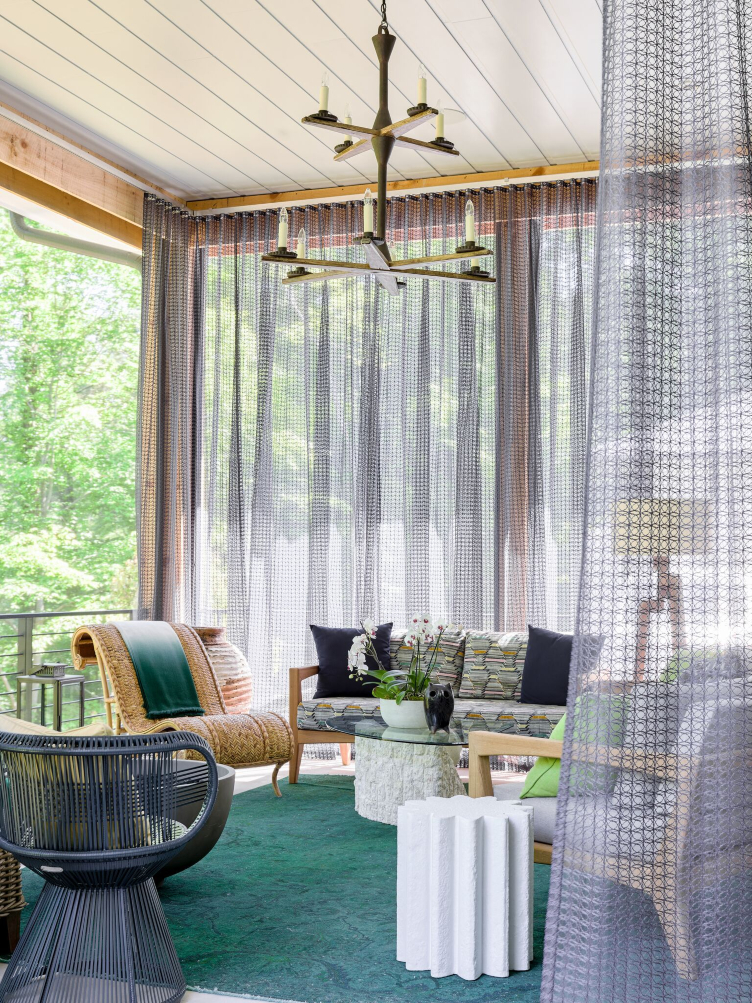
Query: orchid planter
[
  {"x": 408, "y": 714},
  {"x": 400, "y": 691}
]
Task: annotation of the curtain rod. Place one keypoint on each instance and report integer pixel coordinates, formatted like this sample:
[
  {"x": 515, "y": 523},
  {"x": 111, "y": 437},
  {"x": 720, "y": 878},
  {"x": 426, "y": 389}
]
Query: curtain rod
[{"x": 396, "y": 189}]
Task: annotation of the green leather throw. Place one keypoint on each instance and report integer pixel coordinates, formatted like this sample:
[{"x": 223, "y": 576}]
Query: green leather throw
[{"x": 161, "y": 668}]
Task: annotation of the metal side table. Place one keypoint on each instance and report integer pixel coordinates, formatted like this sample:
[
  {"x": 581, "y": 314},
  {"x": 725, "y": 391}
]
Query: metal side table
[{"x": 25, "y": 697}]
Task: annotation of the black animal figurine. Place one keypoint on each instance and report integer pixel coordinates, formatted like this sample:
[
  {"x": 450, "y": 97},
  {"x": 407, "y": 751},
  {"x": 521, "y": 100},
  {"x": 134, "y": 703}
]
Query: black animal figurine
[{"x": 438, "y": 704}]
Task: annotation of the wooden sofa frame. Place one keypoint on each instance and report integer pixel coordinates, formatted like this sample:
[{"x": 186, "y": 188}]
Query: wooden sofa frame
[{"x": 301, "y": 736}]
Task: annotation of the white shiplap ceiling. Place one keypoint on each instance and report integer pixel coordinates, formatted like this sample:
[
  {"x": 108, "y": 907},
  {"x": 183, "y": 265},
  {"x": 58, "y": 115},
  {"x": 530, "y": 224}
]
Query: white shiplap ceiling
[{"x": 205, "y": 97}]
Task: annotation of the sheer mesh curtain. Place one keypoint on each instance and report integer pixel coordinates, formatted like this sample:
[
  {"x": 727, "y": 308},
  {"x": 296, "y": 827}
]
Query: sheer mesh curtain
[
  {"x": 169, "y": 418},
  {"x": 651, "y": 898},
  {"x": 335, "y": 452},
  {"x": 545, "y": 246}
]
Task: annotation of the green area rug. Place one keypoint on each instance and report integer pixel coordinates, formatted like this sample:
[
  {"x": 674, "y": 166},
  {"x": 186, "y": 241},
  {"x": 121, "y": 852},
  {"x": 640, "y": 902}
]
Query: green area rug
[{"x": 298, "y": 902}]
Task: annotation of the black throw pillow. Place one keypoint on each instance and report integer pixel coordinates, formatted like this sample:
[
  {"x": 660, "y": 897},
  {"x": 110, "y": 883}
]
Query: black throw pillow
[
  {"x": 332, "y": 646},
  {"x": 545, "y": 675}
]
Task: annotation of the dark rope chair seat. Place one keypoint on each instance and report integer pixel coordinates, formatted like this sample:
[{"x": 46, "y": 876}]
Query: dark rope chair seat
[{"x": 96, "y": 818}]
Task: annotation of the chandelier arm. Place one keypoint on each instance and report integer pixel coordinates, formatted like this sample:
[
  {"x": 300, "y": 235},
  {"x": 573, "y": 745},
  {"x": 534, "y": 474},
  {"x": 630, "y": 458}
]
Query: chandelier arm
[
  {"x": 377, "y": 255},
  {"x": 411, "y": 122},
  {"x": 362, "y": 146},
  {"x": 322, "y": 123},
  {"x": 410, "y": 262},
  {"x": 433, "y": 147},
  {"x": 389, "y": 282},
  {"x": 339, "y": 266},
  {"x": 385, "y": 276},
  {"x": 428, "y": 273},
  {"x": 290, "y": 280}
]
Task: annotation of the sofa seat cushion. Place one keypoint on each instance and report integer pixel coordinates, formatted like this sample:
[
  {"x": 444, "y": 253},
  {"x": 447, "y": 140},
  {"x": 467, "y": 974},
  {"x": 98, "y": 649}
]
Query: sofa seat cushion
[
  {"x": 598, "y": 824},
  {"x": 325, "y": 714},
  {"x": 544, "y": 809},
  {"x": 493, "y": 665},
  {"x": 449, "y": 657},
  {"x": 509, "y": 717}
]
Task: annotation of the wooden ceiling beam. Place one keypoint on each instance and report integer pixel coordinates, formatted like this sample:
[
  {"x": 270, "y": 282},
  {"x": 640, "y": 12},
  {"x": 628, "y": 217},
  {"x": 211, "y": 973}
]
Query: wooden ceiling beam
[
  {"x": 51, "y": 170},
  {"x": 308, "y": 195},
  {"x": 85, "y": 212},
  {"x": 37, "y": 157}
]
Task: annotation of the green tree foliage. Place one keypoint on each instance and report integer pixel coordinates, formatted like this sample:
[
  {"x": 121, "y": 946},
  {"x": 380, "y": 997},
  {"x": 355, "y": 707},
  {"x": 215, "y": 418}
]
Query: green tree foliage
[{"x": 69, "y": 344}]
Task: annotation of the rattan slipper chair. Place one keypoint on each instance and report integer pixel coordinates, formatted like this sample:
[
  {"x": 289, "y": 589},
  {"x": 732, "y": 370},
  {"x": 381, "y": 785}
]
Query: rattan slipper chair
[{"x": 238, "y": 740}]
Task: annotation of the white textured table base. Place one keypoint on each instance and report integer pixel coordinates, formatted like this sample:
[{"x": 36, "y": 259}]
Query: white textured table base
[
  {"x": 465, "y": 886},
  {"x": 389, "y": 773}
]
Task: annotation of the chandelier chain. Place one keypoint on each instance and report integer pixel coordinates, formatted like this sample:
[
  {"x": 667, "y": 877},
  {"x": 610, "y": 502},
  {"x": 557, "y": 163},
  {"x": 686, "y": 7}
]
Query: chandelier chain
[{"x": 384, "y": 23}]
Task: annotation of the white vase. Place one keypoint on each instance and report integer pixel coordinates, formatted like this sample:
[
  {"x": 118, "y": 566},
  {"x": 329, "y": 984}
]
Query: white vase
[{"x": 408, "y": 714}]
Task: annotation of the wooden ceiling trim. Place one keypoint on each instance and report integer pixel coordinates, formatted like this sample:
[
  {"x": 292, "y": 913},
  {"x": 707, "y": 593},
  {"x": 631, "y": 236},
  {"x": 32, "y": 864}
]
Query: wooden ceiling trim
[
  {"x": 239, "y": 202},
  {"x": 34, "y": 156},
  {"x": 51, "y": 197}
]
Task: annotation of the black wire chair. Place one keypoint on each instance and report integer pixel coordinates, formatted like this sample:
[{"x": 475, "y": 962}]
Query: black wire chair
[{"x": 96, "y": 818}]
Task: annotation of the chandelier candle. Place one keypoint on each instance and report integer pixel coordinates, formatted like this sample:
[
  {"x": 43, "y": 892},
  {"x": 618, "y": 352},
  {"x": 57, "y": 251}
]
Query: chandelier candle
[
  {"x": 422, "y": 85},
  {"x": 300, "y": 249},
  {"x": 469, "y": 222},
  {"x": 324, "y": 93},
  {"x": 382, "y": 137},
  {"x": 368, "y": 212},
  {"x": 282, "y": 229},
  {"x": 440, "y": 122}
]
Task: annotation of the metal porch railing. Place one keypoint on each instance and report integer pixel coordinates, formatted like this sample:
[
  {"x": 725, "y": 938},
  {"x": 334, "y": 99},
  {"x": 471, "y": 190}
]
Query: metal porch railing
[{"x": 28, "y": 639}]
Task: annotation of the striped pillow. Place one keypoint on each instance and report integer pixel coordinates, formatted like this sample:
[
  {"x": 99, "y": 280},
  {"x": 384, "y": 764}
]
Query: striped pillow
[
  {"x": 493, "y": 665},
  {"x": 449, "y": 659}
]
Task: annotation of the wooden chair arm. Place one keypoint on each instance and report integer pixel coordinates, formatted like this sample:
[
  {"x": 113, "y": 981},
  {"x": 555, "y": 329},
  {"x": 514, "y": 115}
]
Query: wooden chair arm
[
  {"x": 487, "y": 743},
  {"x": 665, "y": 765},
  {"x": 296, "y": 692},
  {"x": 483, "y": 744}
]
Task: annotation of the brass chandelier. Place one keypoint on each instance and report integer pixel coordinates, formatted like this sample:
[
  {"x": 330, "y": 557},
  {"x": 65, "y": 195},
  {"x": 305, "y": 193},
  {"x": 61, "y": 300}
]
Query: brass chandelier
[{"x": 382, "y": 138}]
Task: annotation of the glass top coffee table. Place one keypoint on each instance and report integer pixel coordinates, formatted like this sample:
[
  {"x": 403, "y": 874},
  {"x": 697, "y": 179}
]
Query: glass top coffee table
[
  {"x": 395, "y": 765},
  {"x": 374, "y": 727}
]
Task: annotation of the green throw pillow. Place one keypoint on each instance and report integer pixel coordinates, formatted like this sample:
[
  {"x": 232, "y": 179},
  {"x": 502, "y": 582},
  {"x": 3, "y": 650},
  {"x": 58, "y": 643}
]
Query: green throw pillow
[
  {"x": 543, "y": 780},
  {"x": 685, "y": 658}
]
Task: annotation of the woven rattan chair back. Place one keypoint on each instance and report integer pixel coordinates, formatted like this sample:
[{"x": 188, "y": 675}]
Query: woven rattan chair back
[
  {"x": 104, "y": 644},
  {"x": 240, "y": 740},
  {"x": 97, "y": 818}
]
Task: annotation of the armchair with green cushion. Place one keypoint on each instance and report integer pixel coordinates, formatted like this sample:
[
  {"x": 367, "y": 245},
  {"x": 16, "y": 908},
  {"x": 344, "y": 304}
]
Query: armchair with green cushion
[{"x": 631, "y": 840}]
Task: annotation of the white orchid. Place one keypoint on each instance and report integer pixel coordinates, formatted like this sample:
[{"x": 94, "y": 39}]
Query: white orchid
[
  {"x": 422, "y": 630},
  {"x": 423, "y": 636},
  {"x": 444, "y": 626},
  {"x": 356, "y": 656}
]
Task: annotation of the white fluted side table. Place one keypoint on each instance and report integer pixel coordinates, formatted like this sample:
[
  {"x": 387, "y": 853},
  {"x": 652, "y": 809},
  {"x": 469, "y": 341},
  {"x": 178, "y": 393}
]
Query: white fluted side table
[{"x": 465, "y": 886}]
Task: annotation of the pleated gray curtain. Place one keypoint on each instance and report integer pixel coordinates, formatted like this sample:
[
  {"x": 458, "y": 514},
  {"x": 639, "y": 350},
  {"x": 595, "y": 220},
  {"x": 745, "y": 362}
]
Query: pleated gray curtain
[
  {"x": 328, "y": 451},
  {"x": 651, "y": 893}
]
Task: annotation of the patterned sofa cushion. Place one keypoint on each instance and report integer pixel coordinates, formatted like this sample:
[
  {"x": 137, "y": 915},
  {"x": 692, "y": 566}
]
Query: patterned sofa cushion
[
  {"x": 493, "y": 665},
  {"x": 507, "y": 717},
  {"x": 449, "y": 659},
  {"x": 323, "y": 714}
]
